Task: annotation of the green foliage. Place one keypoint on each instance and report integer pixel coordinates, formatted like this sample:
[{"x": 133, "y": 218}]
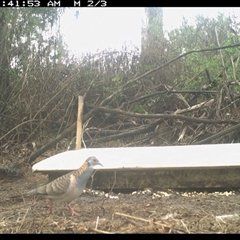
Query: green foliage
[
  {"x": 148, "y": 67},
  {"x": 138, "y": 108},
  {"x": 116, "y": 79},
  {"x": 206, "y": 33}
]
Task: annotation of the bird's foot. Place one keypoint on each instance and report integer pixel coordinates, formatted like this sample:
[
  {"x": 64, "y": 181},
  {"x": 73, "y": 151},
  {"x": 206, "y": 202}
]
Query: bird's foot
[{"x": 73, "y": 213}]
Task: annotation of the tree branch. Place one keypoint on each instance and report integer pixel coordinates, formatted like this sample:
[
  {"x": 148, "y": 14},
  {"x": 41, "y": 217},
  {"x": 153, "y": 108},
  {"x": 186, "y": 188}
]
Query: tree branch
[{"x": 166, "y": 116}]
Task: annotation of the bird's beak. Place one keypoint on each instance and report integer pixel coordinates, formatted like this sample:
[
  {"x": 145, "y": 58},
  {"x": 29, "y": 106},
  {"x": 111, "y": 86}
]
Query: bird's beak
[{"x": 96, "y": 166}]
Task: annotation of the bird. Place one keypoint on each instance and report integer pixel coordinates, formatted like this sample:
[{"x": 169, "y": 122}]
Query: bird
[{"x": 67, "y": 187}]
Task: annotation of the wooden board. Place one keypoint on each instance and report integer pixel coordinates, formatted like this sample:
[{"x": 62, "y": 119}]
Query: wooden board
[
  {"x": 216, "y": 165},
  {"x": 167, "y": 157}
]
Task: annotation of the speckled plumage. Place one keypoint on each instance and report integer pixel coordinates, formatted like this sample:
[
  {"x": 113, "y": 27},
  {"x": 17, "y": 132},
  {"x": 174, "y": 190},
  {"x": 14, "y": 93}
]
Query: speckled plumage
[{"x": 67, "y": 187}]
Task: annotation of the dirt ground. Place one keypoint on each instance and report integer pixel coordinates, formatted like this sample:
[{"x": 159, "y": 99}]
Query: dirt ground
[{"x": 145, "y": 211}]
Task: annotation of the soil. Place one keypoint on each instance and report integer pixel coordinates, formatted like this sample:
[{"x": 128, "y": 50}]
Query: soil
[{"x": 145, "y": 211}]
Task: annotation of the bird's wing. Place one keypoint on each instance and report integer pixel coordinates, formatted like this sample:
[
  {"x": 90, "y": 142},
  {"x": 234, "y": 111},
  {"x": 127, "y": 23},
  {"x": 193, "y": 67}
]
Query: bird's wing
[{"x": 57, "y": 187}]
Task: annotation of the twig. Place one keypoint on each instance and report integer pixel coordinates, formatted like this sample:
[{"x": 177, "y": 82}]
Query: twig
[
  {"x": 22, "y": 123},
  {"x": 179, "y": 95},
  {"x": 163, "y": 224},
  {"x": 115, "y": 180},
  {"x": 183, "y": 132},
  {"x": 129, "y": 216},
  {"x": 97, "y": 222},
  {"x": 225, "y": 75},
  {"x": 66, "y": 113},
  {"x": 165, "y": 116},
  {"x": 185, "y": 226},
  {"x": 220, "y": 51},
  {"x": 195, "y": 107},
  {"x": 24, "y": 217}
]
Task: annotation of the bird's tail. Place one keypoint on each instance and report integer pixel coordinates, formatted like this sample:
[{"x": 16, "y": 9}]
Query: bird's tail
[{"x": 19, "y": 196}]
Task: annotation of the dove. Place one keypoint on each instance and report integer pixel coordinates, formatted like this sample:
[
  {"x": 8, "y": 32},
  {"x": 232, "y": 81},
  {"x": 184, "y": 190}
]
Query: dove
[{"x": 67, "y": 187}]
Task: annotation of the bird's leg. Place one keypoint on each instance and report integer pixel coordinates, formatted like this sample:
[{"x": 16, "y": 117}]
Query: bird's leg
[
  {"x": 73, "y": 213},
  {"x": 50, "y": 204}
]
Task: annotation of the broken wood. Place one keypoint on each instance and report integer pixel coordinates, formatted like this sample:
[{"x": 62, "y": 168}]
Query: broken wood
[{"x": 79, "y": 123}]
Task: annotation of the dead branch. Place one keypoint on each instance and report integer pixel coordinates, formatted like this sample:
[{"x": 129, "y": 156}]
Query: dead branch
[
  {"x": 102, "y": 132},
  {"x": 167, "y": 92},
  {"x": 179, "y": 95},
  {"x": 192, "y": 92},
  {"x": 225, "y": 75},
  {"x": 220, "y": 134},
  {"x": 219, "y": 102},
  {"x": 128, "y": 133},
  {"x": 166, "y": 116},
  {"x": 122, "y": 125},
  {"x": 129, "y": 216},
  {"x": 195, "y": 107}
]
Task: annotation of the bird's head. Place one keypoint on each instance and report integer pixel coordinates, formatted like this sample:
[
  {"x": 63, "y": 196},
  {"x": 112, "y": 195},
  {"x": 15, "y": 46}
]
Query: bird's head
[{"x": 92, "y": 161}]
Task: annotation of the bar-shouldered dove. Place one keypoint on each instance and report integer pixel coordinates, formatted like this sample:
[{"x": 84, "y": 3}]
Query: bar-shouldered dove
[{"x": 67, "y": 187}]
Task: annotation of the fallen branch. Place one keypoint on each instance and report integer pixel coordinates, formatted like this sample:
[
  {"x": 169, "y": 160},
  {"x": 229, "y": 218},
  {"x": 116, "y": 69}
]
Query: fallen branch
[
  {"x": 129, "y": 216},
  {"x": 166, "y": 116},
  {"x": 168, "y": 92},
  {"x": 107, "y": 132},
  {"x": 127, "y": 133},
  {"x": 195, "y": 107},
  {"x": 220, "y": 134}
]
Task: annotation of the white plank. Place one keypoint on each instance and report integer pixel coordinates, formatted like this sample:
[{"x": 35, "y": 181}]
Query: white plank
[{"x": 164, "y": 157}]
